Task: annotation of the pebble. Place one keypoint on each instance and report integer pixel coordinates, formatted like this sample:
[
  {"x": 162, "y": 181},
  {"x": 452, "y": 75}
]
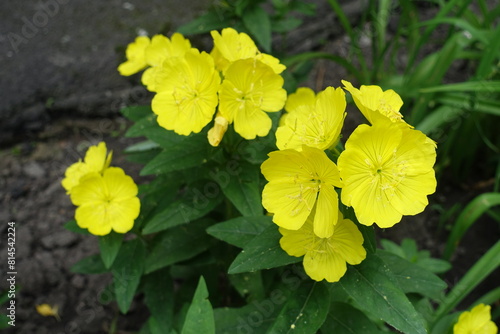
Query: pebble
[{"x": 59, "y": 239}]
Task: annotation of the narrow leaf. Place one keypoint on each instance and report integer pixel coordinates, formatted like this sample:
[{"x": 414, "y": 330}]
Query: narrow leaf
[
  {"x": 200, "y": 315},
  {"x": 109, "y": 246},
  {"x": 375, "y": 291},
  {"x": 127, "y": 272},
  {"x": 413, "y": 278},
  {"x": 240, "y": 231},
  {"x": 178, "y": 244},
  {"x": 467, "y": 217},
  {"x": 242, "y": 189},
  {"x": 304, "y": 311},
  {"x": 159, "y": 297},
  {"x": 89, "y": 265},
  {"x": 257, "y": 21},
  {"x": 135, "y": 113},
  {"x": 345, "y": 319},
  {"x": 263, "y": 252}
]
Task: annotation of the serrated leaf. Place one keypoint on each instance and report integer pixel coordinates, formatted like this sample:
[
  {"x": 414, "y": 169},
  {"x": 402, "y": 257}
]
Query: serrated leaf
[
  {"x": 159, "y": 298},
  {"x": 178, "y": 244},
  {"x": 257, "y": 21},
  {"x": 345, "y": 319},
  {"x": 109, "y": 246},
  {"x": 374, "y": 290},
  {"x": 242, "y": 189},
  {"x": 263, "y": 252},
  {"x": 195, "y": 204},
  {"x": 240, "y": 231},
  {"x": 90, "y": 265},
  {"x": 127, "y": 272},
  {"x": 304, "y": 311},
  {"x": 412, "y": 277},
  {"x": 200, "y": 315}
]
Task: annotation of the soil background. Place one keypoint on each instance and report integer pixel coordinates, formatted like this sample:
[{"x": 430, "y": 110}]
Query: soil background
[{"x": 60, "y": 93}]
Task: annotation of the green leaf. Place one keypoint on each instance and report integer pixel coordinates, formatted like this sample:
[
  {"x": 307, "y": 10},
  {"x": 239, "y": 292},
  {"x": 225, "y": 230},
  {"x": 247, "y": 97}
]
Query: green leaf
[
  {"x": 263, "y": 252},
  {"x": 257, "y": 21},
  {"x": 413, "y": 278},
  {"x": 89, "y": 265},
  {"x": 110, "y": 245},
  {"x": 127, "y": 272},
  {"x": 304, "y": 311},
  {"x": 159, "y": 298},
  {"x": 73, "y": 227},
  {"x": 186, "y": 153},
  {"x": 242, "y": 189},
  {"x": 195, "y": 204},
  {"x": 141, "y": 147},
  {"x": 489, "y": 262},
  {"x": 248, "y": 285},
  {"x": 467, "y": 217},
  {"x": 345, "y": 319},
  {"x": 178, "y": 244},
  {"x": 135, "y": 113},
  {"x": 240, "y": 231},
  {"x": 205, "y": 23},
  {"x": 468, "y": 86},
  {"x": 4, "y": 321},
  {"x": 375, "y": 291},
  {"x": 285, "y": 24},
  {"x": 200, "y": 315}
]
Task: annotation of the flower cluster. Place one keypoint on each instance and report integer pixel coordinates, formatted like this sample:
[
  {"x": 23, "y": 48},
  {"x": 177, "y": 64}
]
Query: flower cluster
[
  {"x": 234, "y": 83},
  {"x": 105, "y": 197},
  {"x": 385, "y": 172}
]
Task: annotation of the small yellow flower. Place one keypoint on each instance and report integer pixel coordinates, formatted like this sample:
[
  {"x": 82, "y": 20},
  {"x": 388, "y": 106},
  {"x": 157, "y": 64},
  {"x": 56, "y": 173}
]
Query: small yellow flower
[
  {"x": 95, "y": 161},
  {"x": 250, "y": 87},
  {"x": 48, "y": 311},
  {"x": 216, "y": 133},
  {"x": 315, "y": 121},
  {"x": 476, "y": 321},
  {"x": 106, "y": 202},
  {"x": 325, "y": 258},
  {"x": 136, "y": 57},
  {"x": 298, "y": 183},
  {"x": 158, "y": 50},
  {"x": 186, "y": 92},
  {"x": 387, "y": 171},
  {"x": 376, "y": 104},
  {"x": 230, "y": 46}
]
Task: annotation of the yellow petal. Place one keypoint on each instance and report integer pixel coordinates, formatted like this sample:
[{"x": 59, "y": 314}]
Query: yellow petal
[
  {"x": 94, "y": 218},
  {"x": 303, "y": 96},
  {"x": 119, "y": 185},
  {"x": 323, "y": 263},
  {"x": 136, "y": 58},
  {"x": 326, "y": 214}
]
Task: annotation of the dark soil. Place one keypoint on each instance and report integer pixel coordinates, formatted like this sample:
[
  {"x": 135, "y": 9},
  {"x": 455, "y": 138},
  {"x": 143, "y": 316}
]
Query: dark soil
[{"x": 61, "y": 93}]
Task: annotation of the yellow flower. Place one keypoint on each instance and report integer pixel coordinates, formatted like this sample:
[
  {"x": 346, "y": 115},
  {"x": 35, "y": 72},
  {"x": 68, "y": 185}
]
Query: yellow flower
[
  {"x": 161, "y": 48},
  {"x": 298, "y": 183},
  {"x": 230, "y": 46},
  {"x": 376, "y": 104},
  {"x": 95, "y": 161},
  {"x": 387, "y": 171},
  {"x": 476, "y": 321},
  {"x": 187, "y": 92},
  {"x": 106, "y": 202},
  {"x": 325, "y": 258},
  {"x": 48, "y": 311},
  {"x": 136, "y": 57},
  {"x": 216, "y": 133},
  {"x": 251, "y": 87},
  {"x": 315, "y": 122}
]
